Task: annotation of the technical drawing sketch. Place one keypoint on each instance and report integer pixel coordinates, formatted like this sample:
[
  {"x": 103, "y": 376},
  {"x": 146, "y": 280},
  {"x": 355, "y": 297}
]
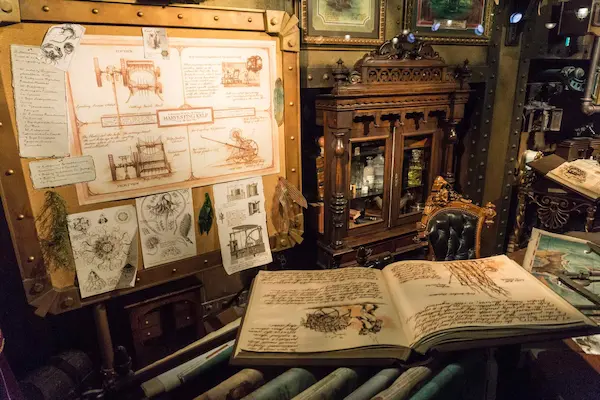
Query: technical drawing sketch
[
  {"x": 242, "y": 74},
  {"x": 253, "y": 207},
  {"x": 246, "y": 241},
  {"x": 169, "y": 123}
]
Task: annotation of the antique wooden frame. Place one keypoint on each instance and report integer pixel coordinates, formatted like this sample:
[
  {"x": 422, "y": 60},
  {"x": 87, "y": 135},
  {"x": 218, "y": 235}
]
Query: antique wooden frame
[
  {"x": 450, "y": 36},
  {"x": 117, "y": 18},
  {"x": 311, "y": 37},
  {"x": 444, "y": 198}
]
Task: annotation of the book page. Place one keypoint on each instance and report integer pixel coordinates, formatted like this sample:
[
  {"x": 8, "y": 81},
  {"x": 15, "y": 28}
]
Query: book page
[
  {"x": 582, "y": 176},
  {"x": 313, "y": 311},
  {"x": 488, "y": 292}
]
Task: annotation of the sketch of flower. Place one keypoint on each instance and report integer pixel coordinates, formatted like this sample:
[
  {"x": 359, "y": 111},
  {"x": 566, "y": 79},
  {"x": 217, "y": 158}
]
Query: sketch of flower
[
  {"x": 94, "y": 283},
  {"x": 151, "y": 244},
  {"x": 81, "y": 224},
  {"x": 105, "y": 250}
]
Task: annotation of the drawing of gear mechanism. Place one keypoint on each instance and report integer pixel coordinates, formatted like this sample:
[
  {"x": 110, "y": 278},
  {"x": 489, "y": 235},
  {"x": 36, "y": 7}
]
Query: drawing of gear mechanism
[
  {"x": 141, "y": 77},
  {"x": 243, "y": 150}
]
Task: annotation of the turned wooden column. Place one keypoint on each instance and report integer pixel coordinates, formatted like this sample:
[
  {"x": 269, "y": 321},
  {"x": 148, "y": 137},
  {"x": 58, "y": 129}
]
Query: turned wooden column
[
  {"x": 338, "y": 200},
  {"x": 590, "y": 217}
]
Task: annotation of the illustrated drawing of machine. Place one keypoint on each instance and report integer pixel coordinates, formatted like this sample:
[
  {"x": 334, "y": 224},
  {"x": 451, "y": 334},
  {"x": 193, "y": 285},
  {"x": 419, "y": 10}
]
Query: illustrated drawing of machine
[
  {"x": 150, "y": 160},
  {"x": 139, "y": 76}
]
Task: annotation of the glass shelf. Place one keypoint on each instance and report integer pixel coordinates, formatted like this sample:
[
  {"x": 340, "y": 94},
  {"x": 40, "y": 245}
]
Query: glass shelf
[{"x": 367, "y": 183}]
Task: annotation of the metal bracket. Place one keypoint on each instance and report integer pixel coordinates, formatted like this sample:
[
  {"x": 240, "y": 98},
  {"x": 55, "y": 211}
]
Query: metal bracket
[{"x": 10, "y": 12}]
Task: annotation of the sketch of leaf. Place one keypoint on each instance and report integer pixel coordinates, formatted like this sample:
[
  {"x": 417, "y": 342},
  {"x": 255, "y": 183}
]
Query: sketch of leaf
[
  {"x": 185, "y": 227},
  {"x": 205, "y": 219}
]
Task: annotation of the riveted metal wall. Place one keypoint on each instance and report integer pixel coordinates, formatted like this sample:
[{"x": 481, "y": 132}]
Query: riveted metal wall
[
  {"x": 500, "y": 185},
  {"x": 481, "y": 120}
]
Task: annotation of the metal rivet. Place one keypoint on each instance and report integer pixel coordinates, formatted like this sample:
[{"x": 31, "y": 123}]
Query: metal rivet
[
  {"x": 274, "y": 21},
  {"x": 174, "y": 270},
  {"x": 216, "y": 18},
  {"x": 7, "y": 7},
  {"x": 45, "y": 8},
  {"x": 95, "y": 11},
  {"x": 67, "y": 302},
  {"x": 292, "y": 137},
  {"x": 205, "y": 261},
  {"x": 180, "y": 16},
  {"x": 249, "y": 19},
  {"x": 0, "y": 123},
  {"x": 37, "y": 287},
  {"x": 290, "y": 68},
  {"x": 309, "y": 77},
  {"x": 325, "y": 77},
  {"x": 291, "y": 43},
  {"x": 397, "y": 22},
  {"x": 10, "y": 172},
  {"x": 293, "y": 169},
  {"x": 147, "y": 322},
  {"x": 31, "y": 258},
  {"x": 20, "y": 217},
  {"x": 140, "y": 14},
  {"x": 291, "y": 103}
]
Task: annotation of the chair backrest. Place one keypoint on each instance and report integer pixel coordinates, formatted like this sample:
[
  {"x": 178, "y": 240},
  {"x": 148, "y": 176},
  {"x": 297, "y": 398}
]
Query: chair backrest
[{"x": 452, "y": 224}]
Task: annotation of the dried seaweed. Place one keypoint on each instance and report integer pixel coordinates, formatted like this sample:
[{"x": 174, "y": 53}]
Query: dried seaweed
[
  {"x": 54, "y": 232},
  {"x": 205, "y": 219}
]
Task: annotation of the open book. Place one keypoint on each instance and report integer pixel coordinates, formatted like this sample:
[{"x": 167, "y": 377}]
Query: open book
[
  {"x": 304, "y": 317},
  {"x": 582, "y": 176}
]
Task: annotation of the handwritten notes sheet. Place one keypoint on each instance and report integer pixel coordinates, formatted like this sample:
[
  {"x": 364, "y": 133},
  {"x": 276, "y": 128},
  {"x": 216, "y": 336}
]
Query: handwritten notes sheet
[
  {"x": 62, "y": 171},
  {"x": 105, "y": 248},
  {"x": 166, "y": 227},
  {"x": 40, "y": 103},
  {"x": 242, "y": 224}
]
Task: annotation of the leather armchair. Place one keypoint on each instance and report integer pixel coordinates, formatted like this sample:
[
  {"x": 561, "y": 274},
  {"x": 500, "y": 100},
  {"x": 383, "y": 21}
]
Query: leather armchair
[{"x": 452, "y": 224}]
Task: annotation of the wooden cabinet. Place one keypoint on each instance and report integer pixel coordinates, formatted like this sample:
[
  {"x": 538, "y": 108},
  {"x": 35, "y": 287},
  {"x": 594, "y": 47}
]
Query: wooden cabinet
[{"x": 389, "y": 130}]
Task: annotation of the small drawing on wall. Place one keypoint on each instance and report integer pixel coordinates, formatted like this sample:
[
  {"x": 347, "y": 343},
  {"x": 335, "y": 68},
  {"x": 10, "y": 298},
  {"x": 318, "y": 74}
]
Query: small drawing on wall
[{"x": 253, "y": 207}]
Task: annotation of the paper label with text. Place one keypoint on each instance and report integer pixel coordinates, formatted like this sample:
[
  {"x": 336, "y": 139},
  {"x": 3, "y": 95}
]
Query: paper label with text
[{"x": 62, "y": 171}]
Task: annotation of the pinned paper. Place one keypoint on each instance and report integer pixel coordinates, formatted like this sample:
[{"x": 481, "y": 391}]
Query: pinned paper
[
  {"x": 60, "y": 44},
  {"x": 156, "y": 43},
  {"x": 242, "y": 224},
  {"x": 166, "y": 227},
  {"x": 105, "y": 249},
  {"x": 40, "y": 105},
  {"x": 62, "y": 171}
]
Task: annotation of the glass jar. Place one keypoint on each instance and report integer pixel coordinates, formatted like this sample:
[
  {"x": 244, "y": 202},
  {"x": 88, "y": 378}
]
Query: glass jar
[
  {"x": 415, "y": 168},
  {"x": 368, "y": 176},
  {"x": 378, "y": 166}
]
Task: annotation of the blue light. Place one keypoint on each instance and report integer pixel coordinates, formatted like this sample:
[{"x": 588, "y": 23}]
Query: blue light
[
  {"x": 515, "y": 17},
  {"x": 411, "y": 38},
  {"x": 435, "y": 26},
  {"x": 479, "y": 30},
  {"x": 568, "y": 41}
]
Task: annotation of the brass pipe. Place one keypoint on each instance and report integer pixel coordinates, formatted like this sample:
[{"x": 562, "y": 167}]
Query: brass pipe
[{"x": 587, "y": 105}]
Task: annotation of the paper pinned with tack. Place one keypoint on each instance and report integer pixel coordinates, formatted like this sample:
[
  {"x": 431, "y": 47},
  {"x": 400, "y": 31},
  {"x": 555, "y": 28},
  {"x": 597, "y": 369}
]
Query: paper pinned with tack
[
  {"x": 167, "y": 224},
  {"x": 60, "y": 44},
  {"x": 156, "y": 43},
  {"x": 62, "y": 171},
  {"x": 242, "y": 224},
  {"x": 105, "y": 248},
  {"x": 40, "y": 105}
]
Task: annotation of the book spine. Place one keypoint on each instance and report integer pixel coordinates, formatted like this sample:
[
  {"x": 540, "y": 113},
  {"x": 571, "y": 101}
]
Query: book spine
[
  {"x": 235, "y": 387},
  {"x": 336, "y": 385},
  {"x": 402, "y": 386},
  {"x": 376, "y": 384},
  {"x": 285, "y": 386}
]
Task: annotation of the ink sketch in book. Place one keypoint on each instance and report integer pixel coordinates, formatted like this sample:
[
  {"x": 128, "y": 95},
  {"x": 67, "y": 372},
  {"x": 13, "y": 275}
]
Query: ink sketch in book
[
  {"x": 105, "y": 249},
  {"x": 550, "y": 254},
  {"x": 202, "y": 115},
  {"x": 166, "y": 228},
  {"x": 242, "y": 224}
]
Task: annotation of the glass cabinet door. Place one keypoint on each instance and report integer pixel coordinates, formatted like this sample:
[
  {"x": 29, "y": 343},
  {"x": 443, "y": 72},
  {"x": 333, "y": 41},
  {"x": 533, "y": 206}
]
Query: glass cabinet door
[
  {"x": 368, "y": 183},
  {"x": 417, "y": 158}
]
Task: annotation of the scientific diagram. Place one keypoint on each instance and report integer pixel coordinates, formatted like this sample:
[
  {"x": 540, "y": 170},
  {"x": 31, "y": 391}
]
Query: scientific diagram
[
  {"x": 475, "y": 275},
  {"x": 361, "y": 317},
  {"x": 241, "y": 151},
  {"x": 246, "y": 241}
]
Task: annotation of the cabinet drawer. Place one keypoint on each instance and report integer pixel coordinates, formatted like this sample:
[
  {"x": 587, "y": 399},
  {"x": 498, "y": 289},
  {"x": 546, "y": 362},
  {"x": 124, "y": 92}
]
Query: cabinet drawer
[
  {"x": 149, "y": 333},
  {"x": 150, "y": 319}
]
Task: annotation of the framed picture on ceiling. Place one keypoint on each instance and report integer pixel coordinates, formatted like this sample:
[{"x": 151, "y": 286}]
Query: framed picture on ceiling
[
  {"x": 343, "y": 22},
  {"x": 450, "y": 21}
]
